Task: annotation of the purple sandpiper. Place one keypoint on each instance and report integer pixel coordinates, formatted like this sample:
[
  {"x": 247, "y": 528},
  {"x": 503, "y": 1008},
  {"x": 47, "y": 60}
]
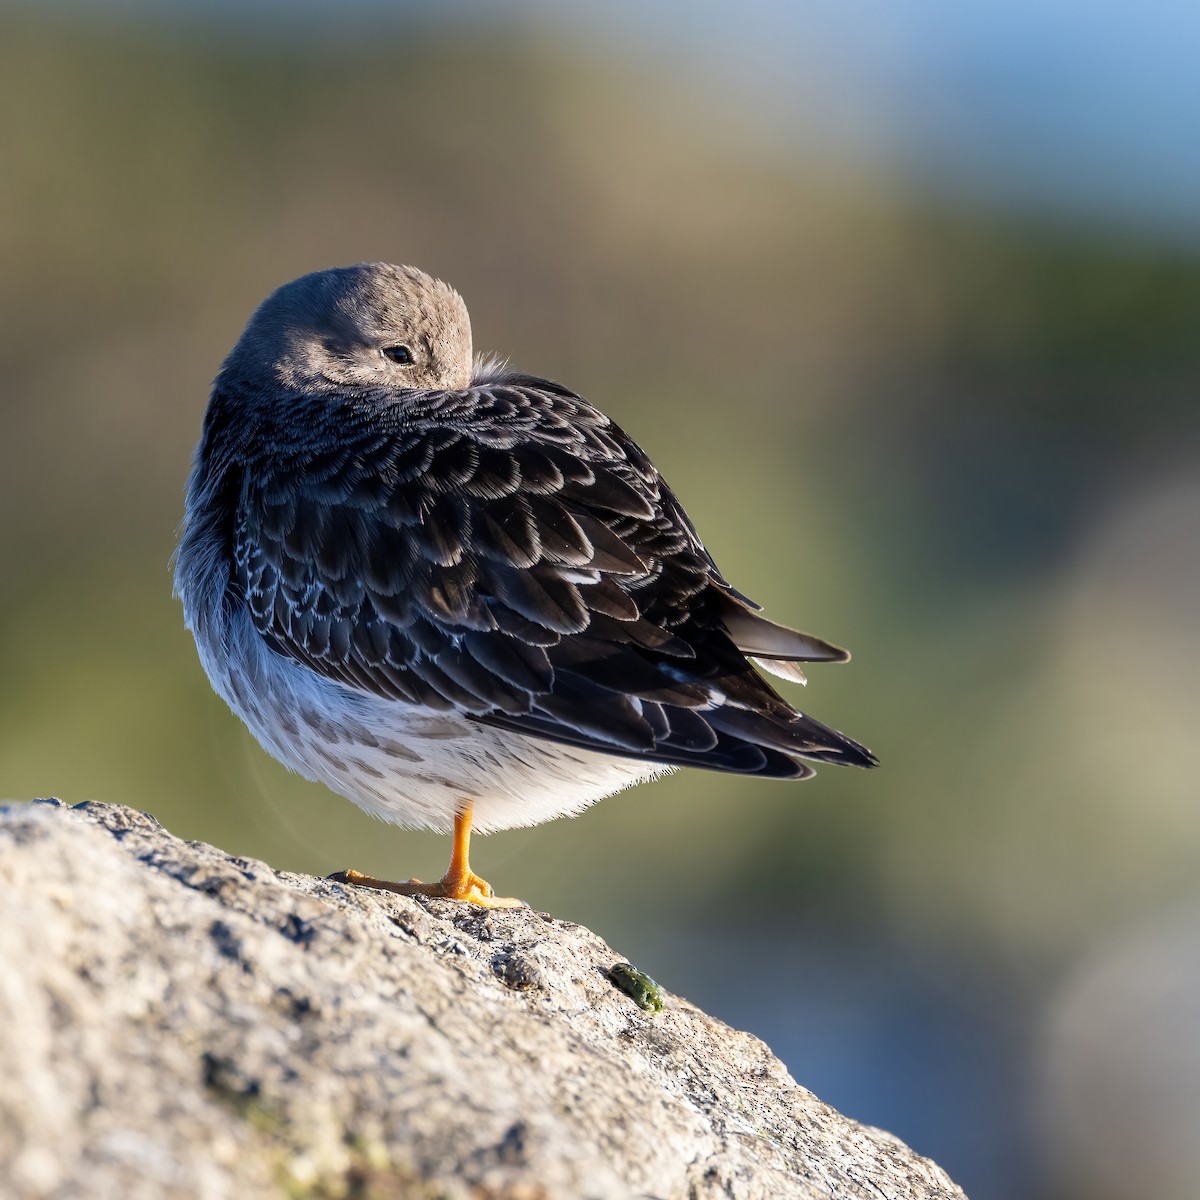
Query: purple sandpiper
[{"x": 457, "y": 594}]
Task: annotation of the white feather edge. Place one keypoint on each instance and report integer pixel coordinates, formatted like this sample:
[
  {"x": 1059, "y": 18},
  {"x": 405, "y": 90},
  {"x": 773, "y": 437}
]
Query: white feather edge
[{"x": 783, "y": 669}]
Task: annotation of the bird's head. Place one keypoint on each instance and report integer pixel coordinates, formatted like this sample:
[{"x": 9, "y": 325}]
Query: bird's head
[{"x": 370, "y": 326}]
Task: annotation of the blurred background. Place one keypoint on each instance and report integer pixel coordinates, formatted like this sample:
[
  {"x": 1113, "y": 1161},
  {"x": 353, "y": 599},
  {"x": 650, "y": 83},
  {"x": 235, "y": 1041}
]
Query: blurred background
[{"x": 903, "y": 297}]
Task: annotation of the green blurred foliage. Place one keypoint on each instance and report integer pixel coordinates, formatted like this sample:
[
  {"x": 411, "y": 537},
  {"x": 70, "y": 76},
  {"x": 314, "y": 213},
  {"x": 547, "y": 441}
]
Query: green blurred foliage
[{"x": 963, "y": 444}]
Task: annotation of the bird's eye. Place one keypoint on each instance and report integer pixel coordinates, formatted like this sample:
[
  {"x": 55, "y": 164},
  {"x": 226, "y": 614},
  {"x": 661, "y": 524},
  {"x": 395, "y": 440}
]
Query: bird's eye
[{"x": 397, "y": 354}]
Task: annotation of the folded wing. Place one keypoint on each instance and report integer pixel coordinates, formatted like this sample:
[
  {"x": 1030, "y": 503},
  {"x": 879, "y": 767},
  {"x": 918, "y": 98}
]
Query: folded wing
[{"x": 508, "y": 553}]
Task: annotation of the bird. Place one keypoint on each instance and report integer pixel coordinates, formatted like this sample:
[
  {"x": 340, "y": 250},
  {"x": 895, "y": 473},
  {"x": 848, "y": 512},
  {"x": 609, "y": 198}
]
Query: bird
[{"x": 459, "y": 595}]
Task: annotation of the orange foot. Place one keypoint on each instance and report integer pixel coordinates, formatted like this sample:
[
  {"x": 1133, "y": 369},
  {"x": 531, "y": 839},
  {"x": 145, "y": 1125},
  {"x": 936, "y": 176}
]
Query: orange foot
[
  {"x": 459, "y": 882},
  {"x": 458, "y": 885}
]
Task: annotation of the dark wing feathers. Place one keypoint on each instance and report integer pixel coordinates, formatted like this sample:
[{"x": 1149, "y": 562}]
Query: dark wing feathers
[{"x": 509, "y": 553}]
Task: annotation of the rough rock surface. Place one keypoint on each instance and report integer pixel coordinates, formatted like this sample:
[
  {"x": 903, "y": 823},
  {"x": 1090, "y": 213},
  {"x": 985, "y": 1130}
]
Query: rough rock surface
[{"x": 178, "y": 1022}]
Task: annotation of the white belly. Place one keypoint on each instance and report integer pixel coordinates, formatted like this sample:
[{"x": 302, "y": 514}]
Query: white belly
[{"x": 403, "y": 763}]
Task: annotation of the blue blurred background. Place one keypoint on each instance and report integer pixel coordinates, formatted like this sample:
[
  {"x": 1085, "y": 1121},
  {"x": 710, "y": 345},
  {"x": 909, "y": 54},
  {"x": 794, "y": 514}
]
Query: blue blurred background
[{"x": 904, "y": 299}]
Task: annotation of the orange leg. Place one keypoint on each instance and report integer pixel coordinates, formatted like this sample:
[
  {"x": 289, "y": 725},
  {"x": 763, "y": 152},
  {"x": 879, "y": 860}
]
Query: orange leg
[{"x": 459, "y": 882}]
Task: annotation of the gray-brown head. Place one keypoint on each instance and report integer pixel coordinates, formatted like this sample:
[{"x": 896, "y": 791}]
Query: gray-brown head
[{"x": 373, "y": 325}]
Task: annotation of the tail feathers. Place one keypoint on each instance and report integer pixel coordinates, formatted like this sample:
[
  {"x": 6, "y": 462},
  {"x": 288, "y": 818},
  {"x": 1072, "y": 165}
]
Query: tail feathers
[
  {"x": 754, "y": 634},
  {"x": 801, "y": 736}
]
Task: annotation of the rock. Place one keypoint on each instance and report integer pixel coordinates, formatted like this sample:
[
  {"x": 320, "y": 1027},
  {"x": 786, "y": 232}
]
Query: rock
[{"x": 178, "y": 1022}]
